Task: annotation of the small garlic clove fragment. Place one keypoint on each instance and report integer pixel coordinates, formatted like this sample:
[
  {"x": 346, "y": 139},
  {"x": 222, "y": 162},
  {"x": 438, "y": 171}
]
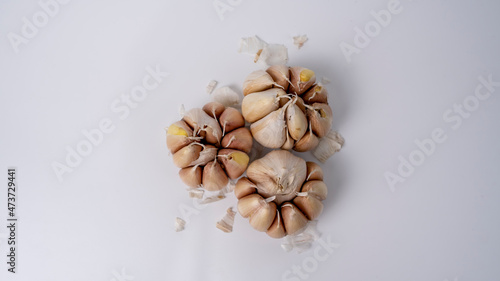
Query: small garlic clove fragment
[
  {"x": 235, "y": 162},
  {"x": 257, "y": 81},
  {"x": 179, "y": 224},
  {"x": 289, "y": 143},
  {"x": 202, "y": 122},
  {"x": 259, "y": 104},
  {"x": 270, "y": 131},
  {"x": 178, "y": 136},
  {"x": 315, "y": 188},
  {"x": 214, "y": 178},
  {"x": 186, "y": 155},
  {"x": 293, "y": 219},
  {"x": 328, "y": 145},
  {"x": 317, "y": 93},
  {"x": 296, "y": 122},
  {"x": 191, "y": 176},
  {"x": 277, "y": 229},
  {"x": 244, "y": 187},
  {"x": 263, "y": 217},
  {"x": 314, "y": 171},
  {"x": 321, "y": 118},
  {"x": 226, "y": 223},
  {"x": 310, "y": 206},
  {"x": 240, "y": 139},
  {"x": 214, "y": 109},
  {"x": 307, "y": 142},
  {"x": 301, "y": 79},
  {"x": 280, "y": 75},
  {"x": 247, "y": 205},
  {"x": 207, "y": 154},
  {"x": 231, "y": 119}
]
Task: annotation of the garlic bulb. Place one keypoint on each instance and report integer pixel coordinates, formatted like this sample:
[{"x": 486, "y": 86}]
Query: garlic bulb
[
  {"x": 281, "y": 193},
  {"x": 210, "y": 145},
  {"x": 286, "y": 108}
]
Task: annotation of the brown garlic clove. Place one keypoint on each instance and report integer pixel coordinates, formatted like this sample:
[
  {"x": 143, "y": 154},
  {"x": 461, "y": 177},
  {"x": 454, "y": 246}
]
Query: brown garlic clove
[
  {"x": 240, "y": 139},
  {"x": 296, "y": 122},
  {"x": 289, "y": 143},
  {"x": 214, "y": 109},
  {"x": 321, "y": 118},
  {"x": 263, "y": 217},
  {"x": 277, "y": 229},
  {"x": 310, "y": 206},
  {"x": 314, "y": 171},
  {"x": 280, "y": 75},
  {"x": 207, "y": 154},
  {"x": 178, "y": 136},
  {"x": 244, "y": 187},
  {"x": 214, "y": 177},
  {"x": 315, "y": 188},
  {"x": 306, "y": 143},
  {"x": 301, "y": 79},
  {"x": 186, "y": 155},
  {"x": 257, "y": 81},
  {"x": 191, "y": 176},
  {"x": 293, "y": 219},
  {"x": 257, "y": 105},
  {"x": 249, "y": 204},
  {"x": 317, "y": 93},
  {"x": 270, "y": 131},
  {"x": 235, "y": 162},
  {"x": 231, "y": 119}
]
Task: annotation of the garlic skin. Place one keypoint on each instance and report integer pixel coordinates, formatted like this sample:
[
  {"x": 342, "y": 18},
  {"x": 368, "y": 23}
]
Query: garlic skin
[
  {"x": 328, "y": 146},
  {"x": 277, "y": 195}
]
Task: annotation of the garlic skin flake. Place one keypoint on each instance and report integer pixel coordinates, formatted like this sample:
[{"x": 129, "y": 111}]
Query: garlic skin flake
[
  {"x": 226, "y": 96},
  {"x": 328, "y": 145},
  {"x": 226, "y": 223},
  {"x": 179, "y": 224},
  {"x": 300, "y": 40}
]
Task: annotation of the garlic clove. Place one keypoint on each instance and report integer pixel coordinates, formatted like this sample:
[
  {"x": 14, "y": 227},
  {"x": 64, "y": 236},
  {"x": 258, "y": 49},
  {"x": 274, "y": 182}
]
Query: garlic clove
[
  {"x": 307, "y": 142},
  {"x": 249, "y": 204},
  {"x": 257, "y": 105},
  {"x": 310, "y": 206},
  {"x": 214, "y": 109},
  {"x": 263, "y": 217},
  {"x": 257, "y": 81},
  {"x": 328, "y": 145},
  {"x": 315, "y": 188},
  {"x": 270, "y": 131},
  {"x": 279, "y": 173},
  {"x": 244, "y": 187},
  {"x": 277, "y": 229},
  {"x": 178, "y": 136},
  {"x": 293, "y": 219},
  {"x": 296, "y": 122},
  {"x": 321, "y": 118},
  {"x": 231, "y": 119},
  {"x": 240, "y": 139},
  {"x": 202, "y": 122},
  {"x": 317, "y": 93},
  {"x": 186, "y": 155},
  {"x": 314, "y": 171},
  {"x": 300, "y": 104},
  {"x": 207, "y": 154},
  {"x": 214, "y": 178},
  {"x": 191, "y": 176},
  {"x": 235, "y": 162},
  {"x": 301, "y": 79},
  {"x": 289, "y": 142},
  {"x": 280, "y": 75}
]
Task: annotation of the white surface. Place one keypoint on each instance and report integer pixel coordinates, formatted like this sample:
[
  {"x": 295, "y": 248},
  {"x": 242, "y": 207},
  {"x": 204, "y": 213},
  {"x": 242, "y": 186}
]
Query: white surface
[{"x": 116, "y": 209}]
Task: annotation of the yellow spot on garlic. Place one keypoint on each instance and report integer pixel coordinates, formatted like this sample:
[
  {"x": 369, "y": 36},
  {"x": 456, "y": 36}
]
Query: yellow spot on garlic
[
  {"x": 306, "y": 74},
  {"x": 176, "y": 130}
]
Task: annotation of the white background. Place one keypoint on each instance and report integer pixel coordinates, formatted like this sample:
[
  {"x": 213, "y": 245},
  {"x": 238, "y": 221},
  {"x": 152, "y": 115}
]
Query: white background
[{"x": 115, "y": 210}]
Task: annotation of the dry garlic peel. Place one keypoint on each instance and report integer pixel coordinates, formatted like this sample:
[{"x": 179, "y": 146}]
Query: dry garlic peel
[
  {"x": 277, "y": 196},
  {"x": 286, "y": 108},
  {"x": 210, "y": 145}
]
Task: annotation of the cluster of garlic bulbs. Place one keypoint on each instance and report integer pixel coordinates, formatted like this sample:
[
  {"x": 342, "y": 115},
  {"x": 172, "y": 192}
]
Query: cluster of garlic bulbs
[
  {"x": 286, "y": 107},
  {"x": 210, "y": 145},
  {"x": 281, "y": 193}
]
